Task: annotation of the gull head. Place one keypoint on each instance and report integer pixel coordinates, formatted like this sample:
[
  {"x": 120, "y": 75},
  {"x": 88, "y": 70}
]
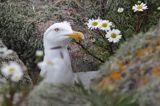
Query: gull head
[{"x": 61, "y": 32}]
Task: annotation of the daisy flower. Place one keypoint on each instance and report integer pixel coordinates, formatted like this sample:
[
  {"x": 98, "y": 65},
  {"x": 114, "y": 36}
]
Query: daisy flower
[
  {"x": 114, "y": 35},
  {"x": 13, "y": 71},
  {"x": 105, "y": 25},
  {"x": 93, "y": 24},
  {"x": 120, "y": 10},
  {"x": 139, "y": 7},
  {"x": 17, "y": 76},
  {"x": 39, "y": 53}
]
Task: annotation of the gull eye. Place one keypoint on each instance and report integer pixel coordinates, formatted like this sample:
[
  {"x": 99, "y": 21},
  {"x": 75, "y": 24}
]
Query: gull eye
[{"x": 56, "y": 29}]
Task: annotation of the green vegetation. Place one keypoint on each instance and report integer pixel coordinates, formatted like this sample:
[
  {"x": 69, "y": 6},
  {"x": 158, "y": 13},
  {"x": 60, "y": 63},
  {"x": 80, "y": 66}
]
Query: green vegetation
[{"x": 130, "y": 74}]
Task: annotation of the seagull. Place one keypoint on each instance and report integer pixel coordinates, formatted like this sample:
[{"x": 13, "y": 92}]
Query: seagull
[{"x": 56, "y": 66}]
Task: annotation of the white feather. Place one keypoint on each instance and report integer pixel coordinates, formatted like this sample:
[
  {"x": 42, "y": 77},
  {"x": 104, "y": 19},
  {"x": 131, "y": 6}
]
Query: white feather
[{"x": 60, "y": 72}]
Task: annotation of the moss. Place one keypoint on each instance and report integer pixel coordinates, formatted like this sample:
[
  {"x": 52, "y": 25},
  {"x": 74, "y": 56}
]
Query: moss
[
  {"x": 49, "y": 95},
  {"x": 135, "y": 67}
]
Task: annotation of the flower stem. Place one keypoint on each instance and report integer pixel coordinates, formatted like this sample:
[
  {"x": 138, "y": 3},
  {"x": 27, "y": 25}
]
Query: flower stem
[
  {"x": 36, "y": 79},
  {"x": 25, "y": 94},
  {"x": 138, "y": 25},
  {"x": 124, "y": 38},
  {"x": 111, "y": 49},
  {"x": 11, "y": 94},
  {"x": 86, "y": 50}
]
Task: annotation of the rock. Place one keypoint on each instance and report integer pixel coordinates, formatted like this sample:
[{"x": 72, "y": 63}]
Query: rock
[
  {"x": 13, "y": 57},
  {"x": 135, "y": 68},
  {"x": 50, "y": 95}
]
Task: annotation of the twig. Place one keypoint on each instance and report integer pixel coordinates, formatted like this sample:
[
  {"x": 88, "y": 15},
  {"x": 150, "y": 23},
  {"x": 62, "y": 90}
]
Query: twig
[{"x": 102, "y": 61}]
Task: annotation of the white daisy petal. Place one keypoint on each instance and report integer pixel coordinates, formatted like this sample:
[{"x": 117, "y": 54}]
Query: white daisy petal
[
  {"x": 17, "y": 76},
  {"x": 93, "y": 23},
  {"x": 139, "y": 7},
  {"x": 113, "y": 35},
  {"x": 13, "y": 71},
  {"x": 120, "y": 10},
  {"x": 105, "y": 25}
]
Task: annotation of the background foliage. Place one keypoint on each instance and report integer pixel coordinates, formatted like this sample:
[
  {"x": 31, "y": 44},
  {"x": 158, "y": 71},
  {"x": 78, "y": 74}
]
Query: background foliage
[
  {"x": 19, "y": 22},
  {"x": 131, "y": 81}
]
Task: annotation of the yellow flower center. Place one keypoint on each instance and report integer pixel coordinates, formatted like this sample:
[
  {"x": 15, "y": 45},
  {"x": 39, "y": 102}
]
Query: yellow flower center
[
  {"x": 139, "y": 7},
  {"x": 113, "y": 35},
  {"x": 11, "y": 70},
  {"x": 95, "y": 23},
  {"x": 104, "y": 24}
]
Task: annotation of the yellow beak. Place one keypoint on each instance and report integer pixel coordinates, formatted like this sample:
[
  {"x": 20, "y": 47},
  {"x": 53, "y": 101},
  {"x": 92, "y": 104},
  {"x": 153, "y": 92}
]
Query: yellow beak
[{"x": 76, "y": 35}]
